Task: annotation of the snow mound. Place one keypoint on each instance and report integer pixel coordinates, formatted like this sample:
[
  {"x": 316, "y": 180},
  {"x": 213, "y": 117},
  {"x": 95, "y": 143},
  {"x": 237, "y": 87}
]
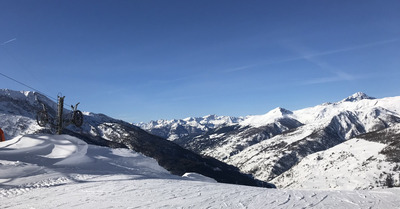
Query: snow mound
[
  {"x": 44, "y": 157},
  {"x": 198, "y": 177}
]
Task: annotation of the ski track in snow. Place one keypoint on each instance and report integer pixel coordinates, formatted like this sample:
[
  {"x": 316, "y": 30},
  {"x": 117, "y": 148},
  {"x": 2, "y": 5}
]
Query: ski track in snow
[
  {"x": 45, "y": 171},
  {"x": 119, "y": 191}
]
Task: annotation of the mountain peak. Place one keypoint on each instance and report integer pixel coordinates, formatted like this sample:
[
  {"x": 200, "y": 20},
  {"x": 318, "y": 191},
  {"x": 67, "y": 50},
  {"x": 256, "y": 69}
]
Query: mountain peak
[
  {"x": 210, "y": 117},
  {"x": 357, "y": 97},
  {"x": 270, "y": 117},
  {"x": 282, "y": 111}
]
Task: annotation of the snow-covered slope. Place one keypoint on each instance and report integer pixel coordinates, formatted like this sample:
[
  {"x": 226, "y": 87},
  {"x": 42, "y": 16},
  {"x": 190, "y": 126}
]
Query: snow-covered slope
[
  {"x": 325, "y": 126},
  {"x": 268, "y": 145},
  {"x": 269, "y": 118},
  {"x": 369, "y": 112},
  {"x": 354, "y": 164},
  {"x": 225, "y": 142},
  {"x": 18, "y": 111},
  {"x": 33, "y": 161},
  {"x": 47, "y": 171}
]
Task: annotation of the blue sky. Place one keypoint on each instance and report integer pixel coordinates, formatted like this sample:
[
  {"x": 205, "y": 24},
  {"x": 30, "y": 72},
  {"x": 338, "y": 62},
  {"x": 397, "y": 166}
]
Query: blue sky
[{"x": 147, "y": 60}]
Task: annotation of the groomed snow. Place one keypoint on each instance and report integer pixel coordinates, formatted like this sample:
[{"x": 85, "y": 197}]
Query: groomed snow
[{"x": 46, "y": 171}]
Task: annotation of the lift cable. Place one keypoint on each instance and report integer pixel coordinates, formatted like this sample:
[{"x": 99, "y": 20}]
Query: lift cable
[
  {"x": 15, "y": 80},
  {"x": 34, "y": 89}
]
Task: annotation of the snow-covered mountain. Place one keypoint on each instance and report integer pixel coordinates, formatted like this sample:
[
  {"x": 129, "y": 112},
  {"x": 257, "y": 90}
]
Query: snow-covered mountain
[
  {"x": 18, "y": 113},
  {"x": 273, "y": 146},
  {"x": 277, "y": 146},
  {"x": 61, "y": 171},
  {"x": 354, "y": 164},
  {"x": 175, "y": 129}
]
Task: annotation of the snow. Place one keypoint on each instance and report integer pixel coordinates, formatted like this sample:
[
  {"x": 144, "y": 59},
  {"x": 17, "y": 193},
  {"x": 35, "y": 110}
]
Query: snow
[
  {"x": 352, "y": 118},
  {"x": 47, "y": 171},
  {"x": 322, "y": 114},
  {"x": 357, "y": 97},
  {"x": 190, "y": 125},
  {"x": 18, "y": 95},
  {"x": 262, "y": 120},
  {"x": 198, "y": 177},
  {"x": 354, "y": 164}
]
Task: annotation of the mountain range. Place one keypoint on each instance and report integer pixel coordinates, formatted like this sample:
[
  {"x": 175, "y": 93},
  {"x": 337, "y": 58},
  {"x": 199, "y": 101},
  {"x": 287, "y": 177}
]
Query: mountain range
[{"x": 352, "y": 143}]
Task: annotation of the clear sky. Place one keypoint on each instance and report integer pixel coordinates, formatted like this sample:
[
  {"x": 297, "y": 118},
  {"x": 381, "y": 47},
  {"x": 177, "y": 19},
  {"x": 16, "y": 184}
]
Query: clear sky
[{"x": 147, "y": 60}]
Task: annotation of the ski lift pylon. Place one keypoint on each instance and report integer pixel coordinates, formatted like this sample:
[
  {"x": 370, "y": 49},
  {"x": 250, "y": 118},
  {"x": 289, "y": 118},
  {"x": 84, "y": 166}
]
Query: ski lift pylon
[{"x": 75, "y": 117}]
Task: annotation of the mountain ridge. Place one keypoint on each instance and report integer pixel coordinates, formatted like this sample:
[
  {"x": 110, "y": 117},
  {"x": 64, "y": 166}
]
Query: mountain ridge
[
  {"x": 270, "y": 145},
  {"x": 245, "y": 120}
]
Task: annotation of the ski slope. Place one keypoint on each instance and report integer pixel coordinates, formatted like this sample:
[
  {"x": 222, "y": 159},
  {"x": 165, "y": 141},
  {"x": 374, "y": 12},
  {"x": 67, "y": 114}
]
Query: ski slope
[{"x": 46, "y": 171}]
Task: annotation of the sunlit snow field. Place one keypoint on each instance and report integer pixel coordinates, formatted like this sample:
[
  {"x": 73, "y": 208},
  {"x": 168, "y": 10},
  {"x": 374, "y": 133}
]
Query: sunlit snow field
[{"x": 46, "y": 171}]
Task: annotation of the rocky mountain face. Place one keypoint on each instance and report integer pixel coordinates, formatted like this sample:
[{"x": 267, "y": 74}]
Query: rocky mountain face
[
  {"x": 18, "y": 113},
  {"x": 279, "y": 145}
]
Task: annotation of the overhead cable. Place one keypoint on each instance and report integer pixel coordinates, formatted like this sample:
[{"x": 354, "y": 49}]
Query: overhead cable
[{"x": 34, "y": 89}]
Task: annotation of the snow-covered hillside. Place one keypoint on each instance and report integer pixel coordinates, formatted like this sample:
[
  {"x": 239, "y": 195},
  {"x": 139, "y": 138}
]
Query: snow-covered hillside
[
  {"x": 22, "y": 106},
  {"x": 47, "y": 171},
  {"x": 269, "y": 145},
  {"x": 18, "y": 112},
  {"x": 354, "y": 164},
  {"x": 325, "y": 126}
]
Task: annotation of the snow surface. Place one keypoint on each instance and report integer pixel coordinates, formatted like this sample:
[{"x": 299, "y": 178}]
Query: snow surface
[
  {"x": 198, "y": 177},
  {"x": 354, "y": 164},
  {"x": 270, "y": 117},
  {"x": 46, "y": 171}
]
